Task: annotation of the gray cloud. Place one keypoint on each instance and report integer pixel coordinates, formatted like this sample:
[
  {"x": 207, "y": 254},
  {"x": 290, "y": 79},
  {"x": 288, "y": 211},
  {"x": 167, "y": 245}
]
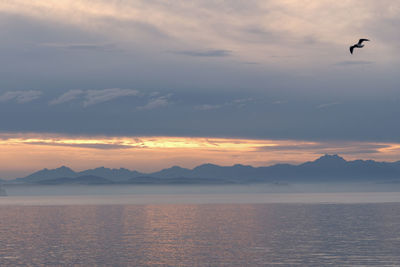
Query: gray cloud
[
  {"x": 358, "y": 151},
  {"x": 68, "y": 96},
  {"x": 280, "y": 102},
  {"x": 241, "y": 102},
  {"x": 82, "y": 46},
  {"x": 354, "y": 62},
  {"x": 338, "y": 148},
  {"x": 258, "y": 34},
  {"x": 99, "y": 96},
  {"x": 134, "y": 26},
  {"x": 154, "y": 103},
  {"x": 326, "y": 105},
  {"x": 204, "y": 53},
  {"x": 249, "y": 63},
  {"x": 20, "y": 96},
  {"x": 208, "y": 107},
  {"x": 35, "y": 53},
  {"x": 92, "y": 97},
  {"x": 93, "y": 146}
]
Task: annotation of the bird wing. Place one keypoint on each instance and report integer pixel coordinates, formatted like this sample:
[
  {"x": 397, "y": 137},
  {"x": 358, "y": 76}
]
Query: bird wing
[
  {"x": 351, "y": 49},
  {"x": 362, "y": 40}
]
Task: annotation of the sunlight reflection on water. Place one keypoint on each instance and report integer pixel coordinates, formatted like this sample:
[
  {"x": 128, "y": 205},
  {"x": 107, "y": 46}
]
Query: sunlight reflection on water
[{"x": 200, "y": 235}]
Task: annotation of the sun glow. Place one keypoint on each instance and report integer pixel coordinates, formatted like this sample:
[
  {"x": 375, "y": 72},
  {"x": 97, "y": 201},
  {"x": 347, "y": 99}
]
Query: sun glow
[
  {"x": 159, "y": 142},
  {"x": 23, "y": 153}
]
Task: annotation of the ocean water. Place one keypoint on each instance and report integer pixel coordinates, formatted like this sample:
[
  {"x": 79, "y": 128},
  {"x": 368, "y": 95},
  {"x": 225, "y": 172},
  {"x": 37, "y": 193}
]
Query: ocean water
[{"x": 56, "y": 231}]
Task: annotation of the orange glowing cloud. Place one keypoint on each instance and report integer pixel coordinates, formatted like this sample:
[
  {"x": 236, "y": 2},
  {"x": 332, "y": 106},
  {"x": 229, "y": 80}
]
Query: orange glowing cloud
[{"x": 23, "y": 153}]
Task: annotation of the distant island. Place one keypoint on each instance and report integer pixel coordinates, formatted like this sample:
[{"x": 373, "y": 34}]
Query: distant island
[{"x": 326, "y": 169}]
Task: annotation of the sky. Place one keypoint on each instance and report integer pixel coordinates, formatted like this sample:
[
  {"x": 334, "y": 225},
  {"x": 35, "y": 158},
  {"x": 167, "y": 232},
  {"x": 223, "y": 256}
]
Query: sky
[{"x": 265, "y": 81}]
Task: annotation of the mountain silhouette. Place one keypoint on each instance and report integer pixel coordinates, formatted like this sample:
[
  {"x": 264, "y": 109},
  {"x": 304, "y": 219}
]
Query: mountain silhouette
[
  {"x": 46, "y": 174},
  {"x": 172, "y": 172},
  {"x": 327, "y": 168},
  {"x": 116, "y": 175},
  {"x": 113, "y": 175},
  {"x": 83, "y": 180}
]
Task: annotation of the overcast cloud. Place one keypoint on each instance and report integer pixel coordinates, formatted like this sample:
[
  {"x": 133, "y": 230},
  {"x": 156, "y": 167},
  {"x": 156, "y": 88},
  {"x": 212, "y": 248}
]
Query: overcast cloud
[{"x": 248, "y": 69}]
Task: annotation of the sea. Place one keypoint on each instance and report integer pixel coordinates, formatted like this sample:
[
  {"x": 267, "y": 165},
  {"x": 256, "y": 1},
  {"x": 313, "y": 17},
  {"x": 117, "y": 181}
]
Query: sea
[{"x": 197, "y": 226}]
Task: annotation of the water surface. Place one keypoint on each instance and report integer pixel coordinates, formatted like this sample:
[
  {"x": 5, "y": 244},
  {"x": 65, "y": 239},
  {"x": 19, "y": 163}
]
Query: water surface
[{"x": 201, "y": 235}]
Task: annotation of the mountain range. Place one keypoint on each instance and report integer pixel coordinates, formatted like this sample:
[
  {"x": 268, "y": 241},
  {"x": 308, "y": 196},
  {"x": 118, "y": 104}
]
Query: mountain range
[{"x": 327, "y": 168}]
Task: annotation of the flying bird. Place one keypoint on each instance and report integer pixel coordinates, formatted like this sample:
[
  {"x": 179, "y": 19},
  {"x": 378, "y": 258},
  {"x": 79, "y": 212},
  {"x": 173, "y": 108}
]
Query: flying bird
[{"x": 357, "y": 45}]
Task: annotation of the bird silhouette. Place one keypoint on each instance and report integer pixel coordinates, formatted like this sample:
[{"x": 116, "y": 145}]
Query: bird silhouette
[{"x": 357, "y": 45}]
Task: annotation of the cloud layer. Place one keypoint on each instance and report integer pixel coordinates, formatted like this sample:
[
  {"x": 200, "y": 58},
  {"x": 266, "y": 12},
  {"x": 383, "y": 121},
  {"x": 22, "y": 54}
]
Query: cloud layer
[
  {"x": 99, "y": 96},
  {"x": 249, "y": 69},
  {"x": 254, "y": 30},
  {"x": 157, "y": 102},
  {"x": 20, "y": 96},
  {"x": 204, "y": 53},
  {"x": 93, "y": 97},
  {"x": 66, "y": 97}
]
